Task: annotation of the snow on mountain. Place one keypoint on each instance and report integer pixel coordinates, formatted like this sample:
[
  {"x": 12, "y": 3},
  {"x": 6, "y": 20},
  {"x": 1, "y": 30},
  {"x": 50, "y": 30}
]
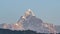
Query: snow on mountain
[{"x": 31, "y": 22}]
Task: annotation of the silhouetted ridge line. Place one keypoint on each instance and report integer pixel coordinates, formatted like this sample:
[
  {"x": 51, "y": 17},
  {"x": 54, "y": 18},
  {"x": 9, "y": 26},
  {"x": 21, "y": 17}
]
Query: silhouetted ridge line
[{"x": 7, "y": 31}]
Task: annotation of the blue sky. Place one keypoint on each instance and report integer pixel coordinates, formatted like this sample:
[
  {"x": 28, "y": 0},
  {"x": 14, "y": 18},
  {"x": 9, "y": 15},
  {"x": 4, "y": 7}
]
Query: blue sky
[{"x": 47, "y": 10}]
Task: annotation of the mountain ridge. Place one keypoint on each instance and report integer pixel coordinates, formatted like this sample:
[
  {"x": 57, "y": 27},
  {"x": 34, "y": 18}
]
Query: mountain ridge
[{"x": 30, "y": 21}]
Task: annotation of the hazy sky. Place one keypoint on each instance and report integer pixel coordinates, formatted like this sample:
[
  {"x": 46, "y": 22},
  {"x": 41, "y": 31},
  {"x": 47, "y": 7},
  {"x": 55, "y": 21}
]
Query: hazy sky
[{"x": 47, "y": 10}]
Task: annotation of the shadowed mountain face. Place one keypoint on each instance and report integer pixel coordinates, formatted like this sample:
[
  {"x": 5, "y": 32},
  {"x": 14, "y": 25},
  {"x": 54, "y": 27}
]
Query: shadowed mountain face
[
  {"x": 57, "y": 28},
  {"x": 33, "y": 24},
  {"x": 30, "y": 22}
]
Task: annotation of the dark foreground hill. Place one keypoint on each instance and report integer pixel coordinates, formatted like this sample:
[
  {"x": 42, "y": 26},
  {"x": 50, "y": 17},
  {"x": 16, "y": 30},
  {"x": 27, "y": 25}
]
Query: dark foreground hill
[{"x": 7, "y": 31}]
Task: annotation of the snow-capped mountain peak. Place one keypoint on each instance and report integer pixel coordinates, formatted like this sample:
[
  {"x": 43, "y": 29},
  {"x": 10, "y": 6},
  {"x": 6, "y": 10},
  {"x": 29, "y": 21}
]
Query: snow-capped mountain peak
[
  {"x": 29, "y": 12},
  {"x": 30, "y": 21}
]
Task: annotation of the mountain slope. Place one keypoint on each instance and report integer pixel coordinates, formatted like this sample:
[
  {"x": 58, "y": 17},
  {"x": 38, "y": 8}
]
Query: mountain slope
[{"x": 30, "y": 22}]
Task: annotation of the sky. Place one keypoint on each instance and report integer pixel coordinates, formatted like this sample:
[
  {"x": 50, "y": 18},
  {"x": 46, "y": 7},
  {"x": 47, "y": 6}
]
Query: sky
[{"x": 47, "y": 10}]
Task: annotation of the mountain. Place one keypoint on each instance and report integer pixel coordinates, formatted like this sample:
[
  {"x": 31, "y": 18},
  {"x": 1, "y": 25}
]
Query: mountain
[{"x": 29, "y": 21}]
